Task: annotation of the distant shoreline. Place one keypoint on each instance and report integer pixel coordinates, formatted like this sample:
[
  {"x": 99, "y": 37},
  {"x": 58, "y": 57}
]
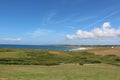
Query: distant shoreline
[
  {"x": 56, "y": 47},
  {"x": 61, "y": 45},
  {"x": 42, "y": 47}
]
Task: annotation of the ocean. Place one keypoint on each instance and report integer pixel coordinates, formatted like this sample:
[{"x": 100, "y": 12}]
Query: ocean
[{"x": 41, "y": 47}]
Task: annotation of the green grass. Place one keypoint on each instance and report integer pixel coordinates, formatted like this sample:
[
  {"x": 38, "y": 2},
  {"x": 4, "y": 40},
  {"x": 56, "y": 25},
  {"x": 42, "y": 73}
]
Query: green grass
[
  {"x": 46, "y": 57},
  {"x": 60, "y": 72},
  {"x": 27, "y": 64}
]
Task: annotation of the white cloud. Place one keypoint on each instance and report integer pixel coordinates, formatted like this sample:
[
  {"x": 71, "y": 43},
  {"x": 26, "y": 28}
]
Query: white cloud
[
  {"x": 106, "y": 25},
  {"x": 40, "y": 32},
  {"x": 71, "y": 36},
  {"x": 11, "y": 39},
  {"x": 106, "y": 31}
]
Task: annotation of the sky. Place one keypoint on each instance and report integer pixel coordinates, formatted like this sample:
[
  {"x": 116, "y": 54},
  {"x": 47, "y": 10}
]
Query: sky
[{"x": 41, "y": 22}]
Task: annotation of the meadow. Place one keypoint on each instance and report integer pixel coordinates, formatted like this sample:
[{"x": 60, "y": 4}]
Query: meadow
[
  {"x": 28, "y": 64},
  {"x": 51, "y": 57},
  {"x": 60, "y": 72}
]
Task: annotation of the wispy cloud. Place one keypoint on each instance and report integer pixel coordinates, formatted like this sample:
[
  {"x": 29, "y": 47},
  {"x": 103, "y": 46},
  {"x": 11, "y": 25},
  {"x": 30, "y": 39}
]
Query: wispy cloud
[
  {"x": 11, "y": 39},
  {"x": 83, "y": 19},
  {"x": 107, "y": 16},
  {"x": 53, "y": 18},
  {"x": 48, "y": 18},
  {"x": 106, "y": 31},
  {"x": 40, "y": 32},
  {"x": 71, "y": 27}
]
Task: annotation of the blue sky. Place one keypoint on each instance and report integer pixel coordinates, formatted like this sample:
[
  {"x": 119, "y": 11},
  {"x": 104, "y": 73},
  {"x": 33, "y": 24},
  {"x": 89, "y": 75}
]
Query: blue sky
[{"x": 59, "y": 21}]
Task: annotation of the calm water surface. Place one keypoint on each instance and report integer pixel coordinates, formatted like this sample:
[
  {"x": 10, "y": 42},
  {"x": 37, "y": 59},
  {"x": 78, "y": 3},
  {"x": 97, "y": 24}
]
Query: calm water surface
[{"x": 42, "y": 47}]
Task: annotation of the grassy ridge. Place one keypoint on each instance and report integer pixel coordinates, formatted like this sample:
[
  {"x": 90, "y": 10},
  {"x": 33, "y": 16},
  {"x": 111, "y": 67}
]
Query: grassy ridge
[{"x": 46, "y": 57}]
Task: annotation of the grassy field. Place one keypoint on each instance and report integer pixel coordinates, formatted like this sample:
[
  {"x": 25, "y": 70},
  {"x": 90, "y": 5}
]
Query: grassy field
[
  {"x": 48, "y": 57},
  {"x": 27, "y": 64},
  {"x": 105, "y": 50},
  {"x": 60, "y": 72}
]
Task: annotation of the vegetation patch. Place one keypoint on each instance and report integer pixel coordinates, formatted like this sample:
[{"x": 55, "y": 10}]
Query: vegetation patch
[{"x": 44, "y": 57}]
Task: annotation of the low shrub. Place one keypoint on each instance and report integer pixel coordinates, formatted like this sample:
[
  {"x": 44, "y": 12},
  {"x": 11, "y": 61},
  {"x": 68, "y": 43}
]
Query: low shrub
[{"x": 43, "y": 57}]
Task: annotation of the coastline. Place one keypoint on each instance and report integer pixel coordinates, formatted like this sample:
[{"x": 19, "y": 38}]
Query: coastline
[{"x": 80, "y": 48}]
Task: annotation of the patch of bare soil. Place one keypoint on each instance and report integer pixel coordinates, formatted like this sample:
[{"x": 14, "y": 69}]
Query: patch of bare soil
[
  {"x": 106, "y": 51},
  {"x": 55, "y": 52}
]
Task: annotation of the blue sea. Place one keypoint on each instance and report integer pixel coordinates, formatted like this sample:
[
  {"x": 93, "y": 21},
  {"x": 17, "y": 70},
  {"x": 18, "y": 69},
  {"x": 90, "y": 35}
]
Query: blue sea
[{"x": 41, "y": 47}]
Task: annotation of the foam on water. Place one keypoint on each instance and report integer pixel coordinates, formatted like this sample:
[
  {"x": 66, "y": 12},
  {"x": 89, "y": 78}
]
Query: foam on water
[{"x": 78, "y": 49}]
